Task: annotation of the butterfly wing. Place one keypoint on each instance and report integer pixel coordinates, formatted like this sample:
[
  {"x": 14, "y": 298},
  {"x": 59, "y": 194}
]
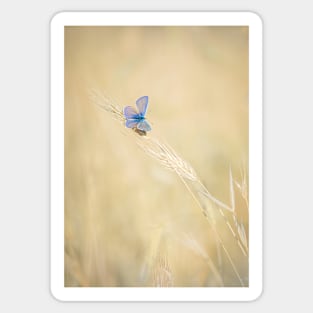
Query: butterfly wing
[
  {"x": 142, "y": 105},
  {"x": 132, "y": 123},
  {"x": 144, "y": 125},
  {"x": 130, "y": 113}
]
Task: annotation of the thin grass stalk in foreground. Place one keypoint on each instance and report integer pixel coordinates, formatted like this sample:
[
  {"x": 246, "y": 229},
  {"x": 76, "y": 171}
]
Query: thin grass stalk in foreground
[
  {"x": 166, "y": 156},
  {"x": 162, "y": 274}
]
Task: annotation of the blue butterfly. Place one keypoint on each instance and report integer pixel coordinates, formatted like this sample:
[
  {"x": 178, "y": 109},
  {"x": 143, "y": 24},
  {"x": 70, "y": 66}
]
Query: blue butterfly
[{"x": 136, "y": 120}]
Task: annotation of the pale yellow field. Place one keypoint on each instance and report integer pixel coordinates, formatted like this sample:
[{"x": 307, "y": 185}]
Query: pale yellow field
[{"x": 129, "y": 221}]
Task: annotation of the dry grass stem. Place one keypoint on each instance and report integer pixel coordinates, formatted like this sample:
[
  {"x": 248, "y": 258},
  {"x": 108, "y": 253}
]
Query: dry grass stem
[
  {"x": 108, "y": 104},
  {"x": 162, "y": 274}
]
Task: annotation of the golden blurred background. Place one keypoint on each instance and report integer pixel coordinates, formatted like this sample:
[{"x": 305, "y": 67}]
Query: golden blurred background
[{"x": 130, "y": 222}]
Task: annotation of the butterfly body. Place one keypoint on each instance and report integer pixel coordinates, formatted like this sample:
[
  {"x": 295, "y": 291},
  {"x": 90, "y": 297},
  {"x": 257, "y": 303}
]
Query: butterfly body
[
  {"x": 136, "y": 119},
  {"x": 139, "y": 131}
]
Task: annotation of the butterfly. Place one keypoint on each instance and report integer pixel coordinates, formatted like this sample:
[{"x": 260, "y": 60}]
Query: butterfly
[{"x": 136, "y": 119}]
